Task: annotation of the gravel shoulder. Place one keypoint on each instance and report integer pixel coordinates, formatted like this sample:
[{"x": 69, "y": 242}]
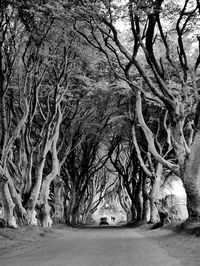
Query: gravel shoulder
[
  {"x": 179, "y": 245},
  {"x": 11, "y": 239}
]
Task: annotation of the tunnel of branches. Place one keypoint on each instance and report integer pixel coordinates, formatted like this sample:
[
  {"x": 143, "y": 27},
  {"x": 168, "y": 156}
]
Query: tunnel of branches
[{"x": 98, "y": 118}]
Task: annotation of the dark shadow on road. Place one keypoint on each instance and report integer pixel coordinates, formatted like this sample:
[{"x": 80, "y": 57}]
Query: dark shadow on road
[{"x": 111, "y": 227}]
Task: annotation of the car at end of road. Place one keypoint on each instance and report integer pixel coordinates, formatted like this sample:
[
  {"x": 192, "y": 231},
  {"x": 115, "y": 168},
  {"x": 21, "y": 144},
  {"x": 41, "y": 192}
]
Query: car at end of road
[{"x": 103, "y": 221}]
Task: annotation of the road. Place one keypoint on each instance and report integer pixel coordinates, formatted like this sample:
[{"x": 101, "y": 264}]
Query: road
[{"x": 92, "y": 247}]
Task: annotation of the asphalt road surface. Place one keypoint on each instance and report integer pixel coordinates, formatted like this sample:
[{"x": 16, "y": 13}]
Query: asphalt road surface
[{"x": 92, "y": 247}]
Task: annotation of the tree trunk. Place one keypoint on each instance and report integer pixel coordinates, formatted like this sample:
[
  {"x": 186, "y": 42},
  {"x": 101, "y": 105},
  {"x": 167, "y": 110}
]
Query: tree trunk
[
  {"x": 138, "y": 201},
  {"x": 128, "y": 216},
  {"x": 154, "y": 215},
  {"x": 44, "y": 212},
  {"x": 75, "y": 215},
  {"x": 155, "y": 194},
  {"x": 135, "y": 211},
  {"x": 20, "y": 211},
  {"x": 45, "y": 186},
  {"x": 70, "y": 207},
  {"x": 138, "y": 197},
  {"x": 189, "y": 162},
  {"x": 58, "y": 205},
  {"x": 87, "y": 214},
  {"x": 7, "y": 204},
  {"x": 191, "y": 180},
  {"x": 146, "y": 210},
  {"x": 126, "y": 205},
  {"x": 44, "y": 192},
  {"x": 28, "y": 176},
  {"x": 35, "y": 192}
]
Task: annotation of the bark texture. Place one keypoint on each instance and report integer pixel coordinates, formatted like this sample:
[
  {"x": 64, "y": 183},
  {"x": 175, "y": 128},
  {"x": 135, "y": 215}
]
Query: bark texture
[
  {"x": 7, "y": 204},
  {"x": 191, "y": 180}
]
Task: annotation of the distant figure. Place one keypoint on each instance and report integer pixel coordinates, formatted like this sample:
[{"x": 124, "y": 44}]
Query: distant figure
[{"x": 112, "y": 218}]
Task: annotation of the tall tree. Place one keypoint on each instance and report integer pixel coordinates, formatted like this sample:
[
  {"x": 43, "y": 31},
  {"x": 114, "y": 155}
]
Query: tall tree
[{"x": 170, "y": 77}]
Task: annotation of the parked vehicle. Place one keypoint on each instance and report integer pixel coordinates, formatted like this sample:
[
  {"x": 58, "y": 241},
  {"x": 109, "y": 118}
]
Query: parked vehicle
[{"x": 103, "y": 221}]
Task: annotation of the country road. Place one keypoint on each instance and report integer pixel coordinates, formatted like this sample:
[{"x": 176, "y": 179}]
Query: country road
[{"x": 92, "y": 247}]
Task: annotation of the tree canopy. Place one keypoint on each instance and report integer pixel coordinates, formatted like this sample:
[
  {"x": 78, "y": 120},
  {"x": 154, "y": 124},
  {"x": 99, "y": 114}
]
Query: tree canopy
[{"x": 98, "y": 99}]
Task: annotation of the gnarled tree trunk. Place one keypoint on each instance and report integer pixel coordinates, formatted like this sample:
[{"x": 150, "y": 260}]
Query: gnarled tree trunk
[
  {"x": 70, "y": 206},
  {"x": 35, "y": 192},
  {"x": 44, "y": 205},
  {"x": 20, "y": 211},
  {"x": 7, "y": 204},
  {"x": 58, "y": 205},
  {"x": 189, "y": 162},
  {"x": 155, "y": 194},
  {"x": 138, "y": 205},
  {"x": 191, "y": 180}
]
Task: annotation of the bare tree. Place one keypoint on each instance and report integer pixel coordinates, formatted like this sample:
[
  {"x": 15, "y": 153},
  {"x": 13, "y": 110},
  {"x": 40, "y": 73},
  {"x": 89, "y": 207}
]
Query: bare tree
[{"x": 169, "y": 78}]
